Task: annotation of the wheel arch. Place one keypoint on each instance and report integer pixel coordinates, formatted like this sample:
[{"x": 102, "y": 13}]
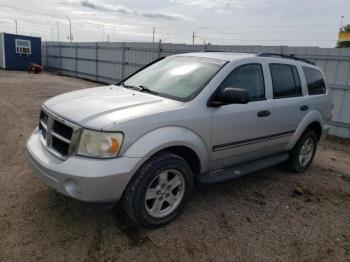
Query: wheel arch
[
  {"x": 187, "y": 154},
  {"x": 178, "y": 140},
  {"x": 313, "y": 120},
  {"x": 315, "y": 126}
]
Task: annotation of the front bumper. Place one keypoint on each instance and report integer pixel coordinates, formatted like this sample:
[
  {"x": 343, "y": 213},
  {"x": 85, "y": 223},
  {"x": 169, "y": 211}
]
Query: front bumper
[{"x": 86, "y": 179}]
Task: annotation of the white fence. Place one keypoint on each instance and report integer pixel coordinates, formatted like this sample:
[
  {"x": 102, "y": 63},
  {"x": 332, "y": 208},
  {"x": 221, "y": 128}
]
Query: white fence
[{"x": 112, "y": 62}]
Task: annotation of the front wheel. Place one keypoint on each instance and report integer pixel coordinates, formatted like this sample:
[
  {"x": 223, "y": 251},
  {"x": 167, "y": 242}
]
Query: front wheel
[
  {"x": 303, "y": 152},
  {"x": 159, "y": 191}
]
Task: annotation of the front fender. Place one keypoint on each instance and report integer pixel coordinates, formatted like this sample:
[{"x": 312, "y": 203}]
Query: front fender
[
  {"x": 312, "y": 116},
  {"x": 164, "y": 137}
]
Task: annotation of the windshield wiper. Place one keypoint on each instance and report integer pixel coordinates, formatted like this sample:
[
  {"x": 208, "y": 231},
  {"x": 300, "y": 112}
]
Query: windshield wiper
[
  {"x": 129, "y": 86},
  {"x": 140, "y": 88},
  {"x": 147, "y": 90}
]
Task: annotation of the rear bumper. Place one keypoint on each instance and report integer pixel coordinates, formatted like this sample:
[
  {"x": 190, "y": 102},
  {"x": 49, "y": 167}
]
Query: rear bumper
[{"x": 86, "y": 179}]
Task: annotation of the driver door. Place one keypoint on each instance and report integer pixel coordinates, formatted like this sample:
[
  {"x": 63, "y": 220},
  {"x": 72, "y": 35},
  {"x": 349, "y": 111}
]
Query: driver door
[{"x": 240, "y": 131}]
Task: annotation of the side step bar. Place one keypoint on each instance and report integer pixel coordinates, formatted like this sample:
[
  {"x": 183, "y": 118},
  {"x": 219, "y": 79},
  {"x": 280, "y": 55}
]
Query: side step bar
[{"x": 241, "y": 169}]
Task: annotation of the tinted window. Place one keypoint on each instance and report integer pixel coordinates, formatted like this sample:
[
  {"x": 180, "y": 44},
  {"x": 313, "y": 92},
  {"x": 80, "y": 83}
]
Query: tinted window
[
  {"x": 314, "y": 80},
  {"x": 249, "y": 77},
  {"x": 285, "y": 81}
]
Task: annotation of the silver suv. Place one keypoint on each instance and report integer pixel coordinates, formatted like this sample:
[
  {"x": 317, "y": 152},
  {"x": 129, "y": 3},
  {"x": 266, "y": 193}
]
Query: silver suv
[{"x": 209, "y": 116}]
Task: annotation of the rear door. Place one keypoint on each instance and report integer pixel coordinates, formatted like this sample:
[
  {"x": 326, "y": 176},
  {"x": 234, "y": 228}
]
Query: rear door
[{"x": 288, "y": 106}]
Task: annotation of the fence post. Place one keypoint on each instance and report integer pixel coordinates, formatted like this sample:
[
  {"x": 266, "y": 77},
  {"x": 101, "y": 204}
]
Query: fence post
[
  {"x": 96, "y": 61},
  {"x": 281, "y": 49},
  {"x": 160, "y": 48},
  {"x": 60, "y": 48},
  {"x": 123, "y": 60},
  {"x": 47, "y": 56},
  {"x": 76, "y": 59}
]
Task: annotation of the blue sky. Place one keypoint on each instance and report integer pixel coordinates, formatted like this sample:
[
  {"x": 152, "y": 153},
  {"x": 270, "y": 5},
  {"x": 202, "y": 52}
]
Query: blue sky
[{"x": 254, "y": 22}]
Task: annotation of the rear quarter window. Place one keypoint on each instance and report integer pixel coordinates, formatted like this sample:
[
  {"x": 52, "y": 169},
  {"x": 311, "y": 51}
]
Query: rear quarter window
[{"x": 315, "y": 81}]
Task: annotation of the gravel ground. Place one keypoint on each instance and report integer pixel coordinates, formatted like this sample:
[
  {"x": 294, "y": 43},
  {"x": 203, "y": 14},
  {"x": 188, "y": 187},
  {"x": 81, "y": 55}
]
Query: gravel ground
[{"x": 272, "y": 215}]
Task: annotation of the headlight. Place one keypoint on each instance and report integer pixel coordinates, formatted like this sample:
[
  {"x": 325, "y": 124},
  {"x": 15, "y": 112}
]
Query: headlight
[{"x": 99, "y": 144}]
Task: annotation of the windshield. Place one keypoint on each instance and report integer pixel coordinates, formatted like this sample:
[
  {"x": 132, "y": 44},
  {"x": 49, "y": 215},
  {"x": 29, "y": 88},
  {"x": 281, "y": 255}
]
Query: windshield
[{"x": 178, "y": 77}]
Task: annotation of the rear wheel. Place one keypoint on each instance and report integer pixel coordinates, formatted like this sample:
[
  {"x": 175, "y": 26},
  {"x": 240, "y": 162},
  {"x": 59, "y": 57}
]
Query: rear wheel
[
  {"x": 303, "y": 152},
  {"x": 159, "y": 191}
]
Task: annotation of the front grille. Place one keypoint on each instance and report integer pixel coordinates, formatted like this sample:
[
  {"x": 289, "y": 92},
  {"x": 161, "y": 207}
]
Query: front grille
[
  {"x": 43, "y": 117},
  {"x": 59, "y": 135},
  {"x": 43, "y": 130},
  {"x": 43, "y": 123},
  {"x": 60, "y": 146},
  {"x": 62, "y": 129}
]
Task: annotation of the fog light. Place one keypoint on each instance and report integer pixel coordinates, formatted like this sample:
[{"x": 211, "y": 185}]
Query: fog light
[{"x": 72, "y": 187}]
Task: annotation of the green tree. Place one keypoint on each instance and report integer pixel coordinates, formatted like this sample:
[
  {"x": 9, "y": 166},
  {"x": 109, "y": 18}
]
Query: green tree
[{"x": 345, "y": 28}]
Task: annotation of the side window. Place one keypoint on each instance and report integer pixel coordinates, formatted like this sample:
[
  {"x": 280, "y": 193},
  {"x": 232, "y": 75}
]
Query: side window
[
  {"x": 314, "y": 80},
  {"x": 285, "y": 81},
  {"x": 249, "y": 77}
]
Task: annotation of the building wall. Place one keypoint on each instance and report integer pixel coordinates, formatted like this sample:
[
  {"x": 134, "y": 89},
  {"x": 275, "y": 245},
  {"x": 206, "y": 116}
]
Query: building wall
[
  {"x": 2, "y": 51},
  {"x": 16, "y": 61},
  {"x": 111, "y": 62}
]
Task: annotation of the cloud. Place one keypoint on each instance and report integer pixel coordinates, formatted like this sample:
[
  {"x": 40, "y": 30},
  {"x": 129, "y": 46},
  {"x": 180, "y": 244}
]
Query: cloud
[
  {"x": 222, "y": 12},
  {"x": 249, "y": 21},
  {"x": 107, "y": 8},
  {"x": 220, "y": 4},
  {"x": 124, "y": 10}
]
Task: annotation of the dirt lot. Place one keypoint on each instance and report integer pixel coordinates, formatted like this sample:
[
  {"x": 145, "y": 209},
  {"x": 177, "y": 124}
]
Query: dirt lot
[{"x": 272, "y": 215}]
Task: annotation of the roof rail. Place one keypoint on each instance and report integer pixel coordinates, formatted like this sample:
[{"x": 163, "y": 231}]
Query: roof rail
[
  {"x": 291, "y": 56},
  {"x": 209, "y": 50}
]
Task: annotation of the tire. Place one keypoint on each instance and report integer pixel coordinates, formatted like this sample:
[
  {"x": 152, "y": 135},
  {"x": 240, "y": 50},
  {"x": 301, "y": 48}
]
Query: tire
[
  {"x": 295, "y": 162},
  {"x": 149, "y": 181}
]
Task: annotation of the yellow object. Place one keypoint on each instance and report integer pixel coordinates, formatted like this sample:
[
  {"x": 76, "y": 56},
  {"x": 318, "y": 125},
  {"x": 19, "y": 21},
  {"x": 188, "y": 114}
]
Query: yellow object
[
  {"x": 343, "y": 36},
  {"x": 114, "y": 147}
]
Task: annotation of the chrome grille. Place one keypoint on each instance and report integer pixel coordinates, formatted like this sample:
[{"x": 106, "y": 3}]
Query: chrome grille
[
  {"x": 62, "y": 129},
  {"x": 60, "y": 145},
  {"x": 59, "y": 135}
]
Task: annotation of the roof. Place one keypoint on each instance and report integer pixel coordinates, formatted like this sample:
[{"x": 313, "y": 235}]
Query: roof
[
  {"x": 19, "y": 35},
  {"x": 221, "y": 55},
  {"x": 227, "y": 56}
]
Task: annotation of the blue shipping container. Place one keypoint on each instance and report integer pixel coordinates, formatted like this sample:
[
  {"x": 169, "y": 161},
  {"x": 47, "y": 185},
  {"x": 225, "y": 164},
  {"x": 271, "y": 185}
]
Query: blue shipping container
[{"x": 18, "y": 51}]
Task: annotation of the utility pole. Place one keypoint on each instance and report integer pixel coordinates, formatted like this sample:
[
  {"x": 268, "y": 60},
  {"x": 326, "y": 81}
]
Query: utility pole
[
  {"x": 58, "y": 32},
  {"x": 193, "y": 36},
  {"x": 108, "y": 38},
  {"x": 341, "y": 23},
  {"x": 70, "y": 29},
  {"x": 16, "y": 26},
  {"x": 153, "y": 47},
  {"x": 51, "y": 34}
]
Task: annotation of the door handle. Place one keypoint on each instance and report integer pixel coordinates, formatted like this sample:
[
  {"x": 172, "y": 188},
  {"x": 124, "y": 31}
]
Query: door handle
[
  {"x": 264, "y": 113},
  {"x": 304, "y": 108}
]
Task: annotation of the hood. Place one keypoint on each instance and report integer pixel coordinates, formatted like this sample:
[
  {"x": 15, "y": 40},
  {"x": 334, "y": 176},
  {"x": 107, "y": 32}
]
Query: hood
[{"x": 97, "y": 107}]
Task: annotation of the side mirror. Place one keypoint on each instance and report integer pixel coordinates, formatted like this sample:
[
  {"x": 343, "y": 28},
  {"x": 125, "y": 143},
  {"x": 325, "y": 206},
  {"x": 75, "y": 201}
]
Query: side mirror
[{"x": 231, "y": 95}]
